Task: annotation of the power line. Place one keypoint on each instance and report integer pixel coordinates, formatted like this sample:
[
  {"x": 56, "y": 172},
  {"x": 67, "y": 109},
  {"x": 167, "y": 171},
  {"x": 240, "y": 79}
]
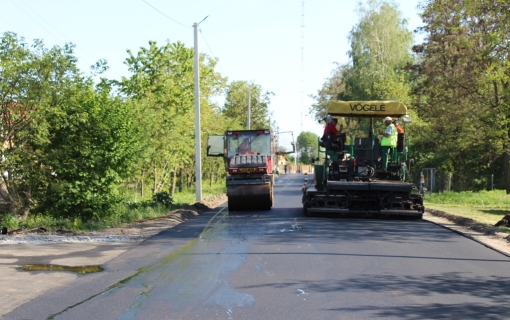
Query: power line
[
  {"x": 182, "y": 24},
  {"x": 15, "y": 28},
  {"x": 212, "y": 54},
  {"x": 53, "y": 35},
  {"x": 67, "y": 38},
  {"x": 14, "y": 3}
]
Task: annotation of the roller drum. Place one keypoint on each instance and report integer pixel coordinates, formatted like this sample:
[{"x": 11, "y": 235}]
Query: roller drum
[{"x": 250, "y": 197}]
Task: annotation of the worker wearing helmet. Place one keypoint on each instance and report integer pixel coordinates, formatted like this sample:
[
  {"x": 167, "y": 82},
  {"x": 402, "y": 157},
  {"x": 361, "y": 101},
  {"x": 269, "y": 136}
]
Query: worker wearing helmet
[{"x": 389, "y": 140}]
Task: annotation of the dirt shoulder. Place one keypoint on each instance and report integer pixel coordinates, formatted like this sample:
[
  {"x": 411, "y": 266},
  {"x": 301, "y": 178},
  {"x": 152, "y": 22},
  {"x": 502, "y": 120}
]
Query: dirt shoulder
[
  {"x": 134, "y": 232},
  {"x": 153, "y": 226}
]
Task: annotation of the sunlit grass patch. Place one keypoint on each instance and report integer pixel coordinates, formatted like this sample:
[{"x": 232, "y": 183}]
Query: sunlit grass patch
[
  {"x": 189, "y": 196},
  {"x": 497, "y": 199},
  {"x": 486, "y": 207}
]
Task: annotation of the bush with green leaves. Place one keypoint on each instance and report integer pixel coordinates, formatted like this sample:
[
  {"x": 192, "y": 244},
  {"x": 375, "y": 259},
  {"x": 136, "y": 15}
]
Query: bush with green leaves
[
  {"x": 162, "y": 198},
  {"x": 93, "y": 150},
  {"x": 10, "y": 222}
]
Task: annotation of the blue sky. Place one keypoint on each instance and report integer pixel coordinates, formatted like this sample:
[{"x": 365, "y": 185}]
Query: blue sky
[{"x": 255, "y": 40}]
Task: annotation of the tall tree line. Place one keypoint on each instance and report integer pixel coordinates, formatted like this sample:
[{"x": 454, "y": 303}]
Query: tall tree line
[
  {"x": 462, "y": 85},
  {"x": 455, "y": 83},
  {"x": 71, "y": 145}
]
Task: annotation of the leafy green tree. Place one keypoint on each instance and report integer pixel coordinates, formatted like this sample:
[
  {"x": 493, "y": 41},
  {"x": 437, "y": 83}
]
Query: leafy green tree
[
  {"x": 307, "y": 144},
  {"x": 380, "y": 52},
  {"x": 380, "y": 49},
  {"x": 34, "y": 84},
  {"x": 65, "y": 145},
  {"x": 236, "y": 105},
  {"x": 94, "y": 147},
  {"x": 162, "y": 86},
  {"x": 462, "y": 85}
]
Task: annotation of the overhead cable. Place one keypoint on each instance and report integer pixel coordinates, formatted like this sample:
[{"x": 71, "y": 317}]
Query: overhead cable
[{"x": 182, "y": 24}]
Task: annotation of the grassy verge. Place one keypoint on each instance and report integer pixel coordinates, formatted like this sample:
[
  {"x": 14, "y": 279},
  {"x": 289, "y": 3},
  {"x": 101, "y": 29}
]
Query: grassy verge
[
  {"x": 487, "y": 207},
  {"x": 124, "y": 214},
  {"x": 186, "y": 198}
]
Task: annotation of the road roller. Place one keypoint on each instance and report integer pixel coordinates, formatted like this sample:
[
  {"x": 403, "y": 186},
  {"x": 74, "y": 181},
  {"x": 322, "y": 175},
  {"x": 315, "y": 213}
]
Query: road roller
[{"x": 250, "y": 158}]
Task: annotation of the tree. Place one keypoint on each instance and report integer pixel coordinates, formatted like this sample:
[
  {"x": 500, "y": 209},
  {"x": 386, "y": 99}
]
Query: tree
[
  {"x": 34, "y": 85},
  {"x": 307, "y": 144},
  {"x": 65, "y": 145},
  {"x": 236, "y": 105},
  {"x": 162, "y": 87},
  {"x": 463, "y": 84},
  {"x": 94, "y": 147},
  {"x": 380, "y": 49}
]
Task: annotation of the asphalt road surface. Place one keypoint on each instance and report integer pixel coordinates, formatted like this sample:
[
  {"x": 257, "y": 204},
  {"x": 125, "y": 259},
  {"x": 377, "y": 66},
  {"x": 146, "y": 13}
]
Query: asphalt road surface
[{"x": 279, "y": 264}]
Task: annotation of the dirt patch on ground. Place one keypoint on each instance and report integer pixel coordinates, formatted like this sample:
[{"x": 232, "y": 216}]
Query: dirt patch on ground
[{"x": 137, "y": 231}]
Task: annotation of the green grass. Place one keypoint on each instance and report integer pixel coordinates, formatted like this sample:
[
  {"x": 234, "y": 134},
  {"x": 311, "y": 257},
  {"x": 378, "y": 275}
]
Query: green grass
[
  {"x": 124, "y": 214},
  {"x": 484, "y": 199},
  {"x": 189, "y": 197},
  {"x": 486, "y": 207}
]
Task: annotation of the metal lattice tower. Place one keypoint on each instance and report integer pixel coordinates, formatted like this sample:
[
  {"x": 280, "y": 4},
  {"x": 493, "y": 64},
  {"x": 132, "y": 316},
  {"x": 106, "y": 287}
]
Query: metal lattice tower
[
  {"x": 302, "y": 58},
  {"x": 302, "y": 67}
]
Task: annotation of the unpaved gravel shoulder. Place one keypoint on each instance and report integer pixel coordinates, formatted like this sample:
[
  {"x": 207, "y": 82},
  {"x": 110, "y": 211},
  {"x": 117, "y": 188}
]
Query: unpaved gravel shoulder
[
  {"x": 135, "y": 232},
  {"x": 485, "y": 234}
]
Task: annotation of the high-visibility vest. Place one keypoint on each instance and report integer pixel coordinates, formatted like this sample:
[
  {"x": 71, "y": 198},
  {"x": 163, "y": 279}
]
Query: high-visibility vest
[{"x": 390, "y": 141}]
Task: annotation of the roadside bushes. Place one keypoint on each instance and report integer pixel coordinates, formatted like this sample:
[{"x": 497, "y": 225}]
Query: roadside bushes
[{"x": 162, "y": 199}]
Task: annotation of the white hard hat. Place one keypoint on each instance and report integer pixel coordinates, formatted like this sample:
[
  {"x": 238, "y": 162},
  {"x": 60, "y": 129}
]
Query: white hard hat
[{"x": 387, "y": 118}]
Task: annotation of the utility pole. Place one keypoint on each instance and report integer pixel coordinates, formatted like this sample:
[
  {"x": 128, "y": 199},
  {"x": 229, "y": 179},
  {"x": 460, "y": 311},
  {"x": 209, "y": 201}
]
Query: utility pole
[{"x": 198, "y": 150}]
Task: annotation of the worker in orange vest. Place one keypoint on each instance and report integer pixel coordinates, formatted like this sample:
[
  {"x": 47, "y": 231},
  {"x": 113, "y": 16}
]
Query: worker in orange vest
[{"x": 397, "y": 125}]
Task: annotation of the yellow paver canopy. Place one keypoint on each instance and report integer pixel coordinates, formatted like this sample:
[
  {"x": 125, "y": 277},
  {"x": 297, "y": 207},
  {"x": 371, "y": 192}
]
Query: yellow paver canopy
[{"x": 376, "y": 108}]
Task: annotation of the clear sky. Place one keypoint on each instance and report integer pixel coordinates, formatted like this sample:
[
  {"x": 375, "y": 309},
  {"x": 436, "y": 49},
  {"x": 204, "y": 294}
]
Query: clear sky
[{"x": 289, "y": 47}]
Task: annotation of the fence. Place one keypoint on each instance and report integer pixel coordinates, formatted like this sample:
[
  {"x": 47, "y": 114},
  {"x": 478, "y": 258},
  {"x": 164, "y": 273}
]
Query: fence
[{"x": 430, "y": 180}]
